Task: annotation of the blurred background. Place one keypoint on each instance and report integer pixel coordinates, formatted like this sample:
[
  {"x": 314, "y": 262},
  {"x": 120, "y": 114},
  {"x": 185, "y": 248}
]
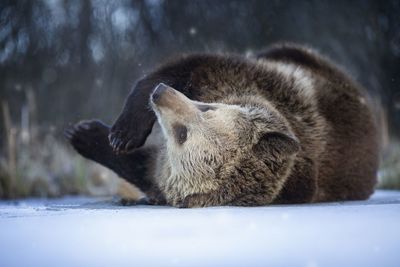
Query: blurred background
[{"x": 62, "y": 61}]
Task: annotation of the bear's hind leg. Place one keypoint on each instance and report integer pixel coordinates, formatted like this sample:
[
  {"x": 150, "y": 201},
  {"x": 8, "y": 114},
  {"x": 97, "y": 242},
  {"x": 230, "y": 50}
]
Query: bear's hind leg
[{"x": 90, "y": 139}]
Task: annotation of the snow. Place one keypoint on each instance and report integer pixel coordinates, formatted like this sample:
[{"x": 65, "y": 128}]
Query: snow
[{"x": 97, "y": 232}]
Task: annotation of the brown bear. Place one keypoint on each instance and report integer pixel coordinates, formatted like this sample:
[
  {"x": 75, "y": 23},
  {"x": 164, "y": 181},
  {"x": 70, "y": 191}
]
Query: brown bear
[{"x": 286, "y": 126}]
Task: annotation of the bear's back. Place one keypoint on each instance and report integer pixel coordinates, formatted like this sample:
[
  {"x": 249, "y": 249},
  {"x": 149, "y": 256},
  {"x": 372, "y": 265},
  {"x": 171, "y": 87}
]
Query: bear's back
[{"x": 347, "y": 166}]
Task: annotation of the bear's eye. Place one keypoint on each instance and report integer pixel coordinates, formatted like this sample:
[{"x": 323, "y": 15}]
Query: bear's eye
[
  {"x": 204, "y": 108},
  {"x": 180, "y": 132}
]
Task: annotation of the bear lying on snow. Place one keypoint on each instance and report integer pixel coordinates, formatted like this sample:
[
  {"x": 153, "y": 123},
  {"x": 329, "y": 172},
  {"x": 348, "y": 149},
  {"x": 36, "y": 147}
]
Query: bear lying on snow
[{"x": 284, "y": 127}]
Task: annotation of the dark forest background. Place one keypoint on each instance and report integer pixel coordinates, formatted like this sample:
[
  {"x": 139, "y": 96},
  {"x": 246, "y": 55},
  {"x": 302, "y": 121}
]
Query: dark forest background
[{"x": 66, "y": 60}]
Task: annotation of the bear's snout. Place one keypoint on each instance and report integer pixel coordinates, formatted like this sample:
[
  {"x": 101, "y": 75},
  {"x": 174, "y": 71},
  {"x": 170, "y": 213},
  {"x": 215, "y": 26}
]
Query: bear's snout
[
  {"x": 165, "y": 97},
  {"x": 172, "y": 106},
  {"x": 158, "y": 92}
]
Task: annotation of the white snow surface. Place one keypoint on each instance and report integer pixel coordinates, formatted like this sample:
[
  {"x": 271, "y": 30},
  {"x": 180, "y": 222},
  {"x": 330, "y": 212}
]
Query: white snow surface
[{"x": 96, "y": 232}]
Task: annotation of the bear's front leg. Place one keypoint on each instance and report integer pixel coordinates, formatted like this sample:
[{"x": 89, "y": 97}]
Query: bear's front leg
[{"x": 136, "y": 120}]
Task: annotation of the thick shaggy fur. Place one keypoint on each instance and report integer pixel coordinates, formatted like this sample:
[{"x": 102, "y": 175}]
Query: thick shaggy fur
[{"x": 284, "y": 127}]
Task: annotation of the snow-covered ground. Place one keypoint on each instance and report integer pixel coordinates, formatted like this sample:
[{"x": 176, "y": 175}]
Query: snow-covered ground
[{"x": 91, "y": 232}]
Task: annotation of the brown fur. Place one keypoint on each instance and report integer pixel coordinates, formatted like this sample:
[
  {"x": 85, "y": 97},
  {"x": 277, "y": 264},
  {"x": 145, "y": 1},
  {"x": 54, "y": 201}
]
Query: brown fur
[{"x": 285, "y": 127}]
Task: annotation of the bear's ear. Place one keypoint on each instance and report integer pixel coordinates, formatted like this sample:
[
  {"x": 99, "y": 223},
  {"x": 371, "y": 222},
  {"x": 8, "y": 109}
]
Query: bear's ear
[{"x": 276, "y": 144}]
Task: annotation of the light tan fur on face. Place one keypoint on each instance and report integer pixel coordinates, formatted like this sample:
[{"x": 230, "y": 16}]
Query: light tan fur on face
[{"x": 211, "y": 136}]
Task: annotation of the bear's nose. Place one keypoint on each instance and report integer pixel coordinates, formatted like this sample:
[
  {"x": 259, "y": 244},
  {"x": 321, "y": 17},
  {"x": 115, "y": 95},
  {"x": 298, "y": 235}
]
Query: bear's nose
[{"x": 158, "y": 91}]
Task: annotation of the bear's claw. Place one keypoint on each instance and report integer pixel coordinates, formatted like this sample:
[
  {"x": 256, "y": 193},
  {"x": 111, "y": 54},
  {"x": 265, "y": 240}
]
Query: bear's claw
[{"x": 122, "y": 142}]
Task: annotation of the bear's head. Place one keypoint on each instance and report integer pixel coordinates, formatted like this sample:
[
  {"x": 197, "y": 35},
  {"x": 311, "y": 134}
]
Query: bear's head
[{"x": 208, "y": 143}]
